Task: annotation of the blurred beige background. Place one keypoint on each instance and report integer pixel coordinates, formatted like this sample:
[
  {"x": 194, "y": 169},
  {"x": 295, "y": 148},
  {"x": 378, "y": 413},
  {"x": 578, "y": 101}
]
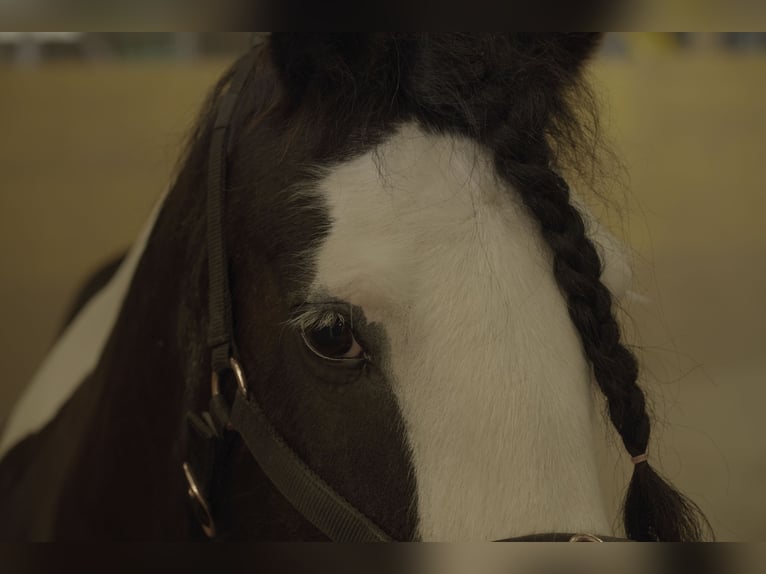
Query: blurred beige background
[{"x": 86, "y": 148}]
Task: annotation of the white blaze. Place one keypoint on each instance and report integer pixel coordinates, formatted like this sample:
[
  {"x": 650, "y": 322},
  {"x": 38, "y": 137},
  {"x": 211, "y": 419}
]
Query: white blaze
[{"x": 484, "y": 360}]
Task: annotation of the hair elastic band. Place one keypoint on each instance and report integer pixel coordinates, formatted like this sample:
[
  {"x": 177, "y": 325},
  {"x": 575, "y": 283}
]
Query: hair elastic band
[{"x": 639, "y": 458}]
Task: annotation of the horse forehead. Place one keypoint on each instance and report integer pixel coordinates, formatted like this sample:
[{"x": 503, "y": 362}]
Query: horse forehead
[
  {"x": 397, "y": 210},
  {"x": 419, "y": 197}
]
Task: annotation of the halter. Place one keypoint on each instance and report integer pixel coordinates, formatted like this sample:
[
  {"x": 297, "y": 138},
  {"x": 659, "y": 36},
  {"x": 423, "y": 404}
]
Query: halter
[{"x": 307, "y": 492}]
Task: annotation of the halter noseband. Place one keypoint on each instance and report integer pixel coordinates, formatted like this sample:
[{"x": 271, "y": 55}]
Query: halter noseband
[{"x": 308, "y": 493}]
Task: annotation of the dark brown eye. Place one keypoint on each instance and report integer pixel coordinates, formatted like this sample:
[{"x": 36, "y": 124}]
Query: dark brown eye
[{"x": 334, "y": 341}]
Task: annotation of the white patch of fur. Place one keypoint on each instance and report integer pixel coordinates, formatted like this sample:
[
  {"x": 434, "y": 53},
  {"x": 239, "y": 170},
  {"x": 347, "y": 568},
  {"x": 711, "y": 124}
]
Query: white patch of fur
[
  {"x": 485, "y": 362},
  {"x": 76, "y": 353}
]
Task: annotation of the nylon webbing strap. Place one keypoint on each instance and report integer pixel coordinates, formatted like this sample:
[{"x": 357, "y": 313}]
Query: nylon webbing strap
[
  {"x": 305, "y": 490},
  {"x": 220, "y": 335}
]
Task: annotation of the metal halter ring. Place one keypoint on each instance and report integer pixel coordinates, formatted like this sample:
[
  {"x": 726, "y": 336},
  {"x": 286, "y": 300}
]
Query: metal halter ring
[
  {"x": 200, "y": 503},
  {"x": 239, "y": 375},
  {"x": 585, "y": 538}
]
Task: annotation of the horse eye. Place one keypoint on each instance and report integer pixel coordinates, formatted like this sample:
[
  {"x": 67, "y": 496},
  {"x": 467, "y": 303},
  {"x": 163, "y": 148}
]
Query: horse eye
[{"x": 334, "y": 341}]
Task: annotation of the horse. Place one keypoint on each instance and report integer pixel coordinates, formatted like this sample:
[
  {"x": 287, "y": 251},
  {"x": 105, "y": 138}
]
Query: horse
[{"x": 368, "y": 308}]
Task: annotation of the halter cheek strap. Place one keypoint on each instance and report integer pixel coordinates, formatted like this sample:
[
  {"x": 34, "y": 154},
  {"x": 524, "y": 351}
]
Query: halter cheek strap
[
  {"x": 317, "y": 501},
  {"x": 307, "y": 492}
]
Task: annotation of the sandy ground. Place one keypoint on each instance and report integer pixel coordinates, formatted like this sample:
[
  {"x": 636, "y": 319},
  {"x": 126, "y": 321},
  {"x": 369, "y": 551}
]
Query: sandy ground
[{"x": 86, "y": 149}]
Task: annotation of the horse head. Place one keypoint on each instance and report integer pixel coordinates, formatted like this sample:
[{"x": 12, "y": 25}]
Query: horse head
[{"x": 420, "y": 308}]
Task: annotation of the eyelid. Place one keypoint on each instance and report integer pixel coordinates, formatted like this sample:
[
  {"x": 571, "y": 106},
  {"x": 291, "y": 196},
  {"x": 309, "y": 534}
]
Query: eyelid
[{"x": 309, "y": 314}]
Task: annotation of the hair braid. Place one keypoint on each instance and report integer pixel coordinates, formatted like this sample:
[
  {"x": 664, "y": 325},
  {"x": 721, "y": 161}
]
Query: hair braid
[{"x": 653, "y": 509}]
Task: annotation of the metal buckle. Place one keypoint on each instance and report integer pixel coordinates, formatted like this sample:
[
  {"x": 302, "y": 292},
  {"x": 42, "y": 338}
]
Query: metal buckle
[
  {"x": 585, "y": 538},
  {"x": 201, "y": 507},
  {"x": 239, "y": 375}
]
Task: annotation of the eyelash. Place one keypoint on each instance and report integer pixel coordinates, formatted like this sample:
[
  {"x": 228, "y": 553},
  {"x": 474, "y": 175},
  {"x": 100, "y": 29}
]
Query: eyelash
[{"x": 315, "y": 315}]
